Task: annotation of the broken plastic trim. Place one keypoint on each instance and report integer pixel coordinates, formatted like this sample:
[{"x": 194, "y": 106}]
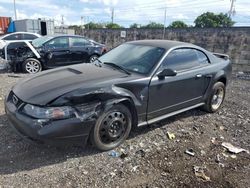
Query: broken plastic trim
[{"x": 87, "y": 111}]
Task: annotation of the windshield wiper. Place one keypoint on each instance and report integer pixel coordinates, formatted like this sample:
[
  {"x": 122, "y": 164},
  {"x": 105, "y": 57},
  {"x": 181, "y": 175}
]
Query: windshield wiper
[
  {"x": 117, "y": 67},
  {"x": 99, "y": 62}
]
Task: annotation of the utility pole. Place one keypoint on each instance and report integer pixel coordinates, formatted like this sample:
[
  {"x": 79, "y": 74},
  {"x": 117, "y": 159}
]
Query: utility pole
[
  {"x": 164, "y": 27},
  {"x": 112, "y": 15},
  {"x": 232, "y": 8},
  {"x": 62, "y": 23},
  {"x": 81, "y": 25},
  {"x": 15, "y": 9}
]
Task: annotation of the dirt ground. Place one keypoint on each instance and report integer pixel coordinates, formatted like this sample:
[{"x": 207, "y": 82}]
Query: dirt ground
[{"x": 149, "y": 158}]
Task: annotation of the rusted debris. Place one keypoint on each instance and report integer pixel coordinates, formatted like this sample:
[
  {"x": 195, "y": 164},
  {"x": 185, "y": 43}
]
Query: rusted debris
[{"x": 199, "y": 172}]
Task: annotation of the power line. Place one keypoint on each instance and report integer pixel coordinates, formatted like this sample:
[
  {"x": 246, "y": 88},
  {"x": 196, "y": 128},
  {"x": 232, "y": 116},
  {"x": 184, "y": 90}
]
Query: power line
[{"x": 162, "y": 5}]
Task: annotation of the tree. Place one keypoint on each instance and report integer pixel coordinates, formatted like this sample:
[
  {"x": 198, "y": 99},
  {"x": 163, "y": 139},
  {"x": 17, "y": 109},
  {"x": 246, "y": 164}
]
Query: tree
[
  {"x": 135, "y": 25},
  {"x": 178, "y": 24},
  {"x": 75, "y": 27},
  {"x": 92, "y": 25},
  {"x": 153, "y": 25},
  {"x": 209, "y": 19},
  {"x": 113, "y": 26}
]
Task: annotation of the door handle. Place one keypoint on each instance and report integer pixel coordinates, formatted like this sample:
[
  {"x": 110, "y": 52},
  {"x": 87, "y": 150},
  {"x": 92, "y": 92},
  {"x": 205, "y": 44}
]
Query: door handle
[{"x": 198, "y": 75}]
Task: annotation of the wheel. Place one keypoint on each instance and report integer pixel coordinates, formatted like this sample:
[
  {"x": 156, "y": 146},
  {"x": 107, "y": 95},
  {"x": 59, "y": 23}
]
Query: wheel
[
  {"x": 216, "y": 98},
  {"x": 93, "y": 58},
  {"x": 112, "y": 128},
  {"x": 32, "y": 66}
]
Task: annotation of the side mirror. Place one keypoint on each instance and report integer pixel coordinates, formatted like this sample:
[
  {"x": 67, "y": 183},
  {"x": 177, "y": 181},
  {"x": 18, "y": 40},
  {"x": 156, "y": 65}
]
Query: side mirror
[{"x": 166, "y": 72}]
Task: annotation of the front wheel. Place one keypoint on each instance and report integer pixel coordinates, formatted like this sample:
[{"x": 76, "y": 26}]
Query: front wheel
[
  {"x": 112, "y": 128},
  {"x": 32, "y": 66},
  {"x": 93, "y": 58},
  {"x": 216, "y": 98}
]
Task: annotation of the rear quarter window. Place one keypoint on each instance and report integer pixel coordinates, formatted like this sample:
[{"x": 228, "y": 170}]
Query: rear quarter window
[
  {"x": 203, "y": 60},
  {"x": 29, "y": 37},
  {"x": 181, "y": 59}
]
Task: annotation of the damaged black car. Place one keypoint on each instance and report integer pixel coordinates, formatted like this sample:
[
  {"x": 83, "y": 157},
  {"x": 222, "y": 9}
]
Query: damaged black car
[
  {"x": 135, "y": 84},
  {"x": 49, "y": 52}
]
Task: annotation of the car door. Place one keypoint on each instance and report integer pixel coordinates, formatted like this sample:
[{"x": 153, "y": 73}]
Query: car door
[
  {"x": 57, "y": 52},
  {"x": 79, "y": 50},
  {"x": 183, "y": 90}
]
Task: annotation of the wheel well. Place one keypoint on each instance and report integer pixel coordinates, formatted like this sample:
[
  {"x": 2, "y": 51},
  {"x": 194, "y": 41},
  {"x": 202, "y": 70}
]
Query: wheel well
[
  {"x": 95, "y": 54},
  {"x": 133, "y": 111},
  {"x": 223, "y": 80}
]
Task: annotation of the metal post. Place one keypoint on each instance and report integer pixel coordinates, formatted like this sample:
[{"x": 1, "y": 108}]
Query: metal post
[
  {"x": 165, "y": 18},
  {"x": 15, "y": 9}
]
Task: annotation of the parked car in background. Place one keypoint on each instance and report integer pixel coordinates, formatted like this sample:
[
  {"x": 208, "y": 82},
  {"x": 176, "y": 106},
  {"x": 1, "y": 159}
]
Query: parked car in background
[
  {"x": 54, "y": 51},
  {"x": 18, "y": 37},
  {"x": 135, "y": 84}
]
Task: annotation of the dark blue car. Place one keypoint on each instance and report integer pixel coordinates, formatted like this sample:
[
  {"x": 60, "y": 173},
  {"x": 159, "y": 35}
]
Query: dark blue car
[{"x": 53, "y": 51}]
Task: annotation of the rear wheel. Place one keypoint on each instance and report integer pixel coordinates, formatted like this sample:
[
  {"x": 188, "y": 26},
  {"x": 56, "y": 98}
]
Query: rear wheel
[
  {"x": 216, "y": 98},
  {"x": 112, "y": 128},
  {"x": 32, "y": 66}
]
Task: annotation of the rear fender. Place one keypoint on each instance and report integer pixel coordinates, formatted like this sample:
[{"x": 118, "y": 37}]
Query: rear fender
[{"x": 218, "y": 76}]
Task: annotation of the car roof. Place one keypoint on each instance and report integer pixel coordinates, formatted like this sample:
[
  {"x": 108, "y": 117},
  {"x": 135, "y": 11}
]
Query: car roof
[
  {"x": 64, "y": 35},
  {"x": 20, "y": 32},
  {"x": 166, "y": 44}
]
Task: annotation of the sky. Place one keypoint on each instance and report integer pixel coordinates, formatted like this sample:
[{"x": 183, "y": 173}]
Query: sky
[{"x": 126, "y": 12}]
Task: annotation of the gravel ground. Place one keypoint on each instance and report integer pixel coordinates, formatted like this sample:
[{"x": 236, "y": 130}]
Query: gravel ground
[{"x": 149, "y": 158}]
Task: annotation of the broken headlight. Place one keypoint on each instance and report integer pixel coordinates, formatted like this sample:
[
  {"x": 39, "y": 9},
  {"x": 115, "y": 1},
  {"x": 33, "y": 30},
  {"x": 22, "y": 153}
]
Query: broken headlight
[{"x": 53, "y": 113}]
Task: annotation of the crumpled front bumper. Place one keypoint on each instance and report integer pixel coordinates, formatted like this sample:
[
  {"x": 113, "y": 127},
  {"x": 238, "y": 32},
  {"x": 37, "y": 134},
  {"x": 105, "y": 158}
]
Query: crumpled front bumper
[{"x": 68, "y": 131}]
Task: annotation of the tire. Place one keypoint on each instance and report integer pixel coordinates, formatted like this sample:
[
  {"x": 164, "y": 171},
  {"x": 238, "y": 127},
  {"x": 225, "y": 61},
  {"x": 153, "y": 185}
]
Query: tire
[
  {"x": 112, "y": 128},
  {"x": 32, "y": 66},
  {"x": 215, "y": 98},
  {"x": 93, "y": 58}
]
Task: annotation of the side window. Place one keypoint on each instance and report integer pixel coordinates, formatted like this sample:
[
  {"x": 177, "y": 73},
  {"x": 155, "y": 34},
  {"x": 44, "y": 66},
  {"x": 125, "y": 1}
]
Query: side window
[
  {"x": 203, "y": 60},
  {"x": 60, "y": 42},
  {"x": 29, "y": 37},
  {"x": 13, "y": 37},
  {"x": 181, "y": 59},
  {"x": 79, "y": 42}
]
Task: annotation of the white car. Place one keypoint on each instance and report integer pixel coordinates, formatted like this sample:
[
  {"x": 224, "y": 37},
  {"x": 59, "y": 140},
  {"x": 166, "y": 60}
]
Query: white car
[{"x": 17, "y": 36}]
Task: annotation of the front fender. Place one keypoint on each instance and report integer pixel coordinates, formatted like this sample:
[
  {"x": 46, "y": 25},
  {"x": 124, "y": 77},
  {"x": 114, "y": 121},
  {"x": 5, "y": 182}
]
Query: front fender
[{"x": 83, "y": 96}]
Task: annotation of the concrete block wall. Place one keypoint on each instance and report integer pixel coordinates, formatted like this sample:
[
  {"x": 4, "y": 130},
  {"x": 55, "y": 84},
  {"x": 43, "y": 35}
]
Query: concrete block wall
[{"x": 233, "y": 41}]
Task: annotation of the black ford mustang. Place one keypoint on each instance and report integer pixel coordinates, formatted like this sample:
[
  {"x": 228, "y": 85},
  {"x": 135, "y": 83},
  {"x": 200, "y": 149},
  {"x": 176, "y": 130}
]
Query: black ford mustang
[{"x": 135, "y": 84}]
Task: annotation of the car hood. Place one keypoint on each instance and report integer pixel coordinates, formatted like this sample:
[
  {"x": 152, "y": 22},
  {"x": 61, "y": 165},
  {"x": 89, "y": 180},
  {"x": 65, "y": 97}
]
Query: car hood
[{"x": 44, "y": 87}]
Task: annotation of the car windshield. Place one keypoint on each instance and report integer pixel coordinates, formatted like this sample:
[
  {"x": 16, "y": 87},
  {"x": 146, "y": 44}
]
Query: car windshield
[
  {"x": 40, "y": 41},
  {"x": 132, "y": 57}
]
